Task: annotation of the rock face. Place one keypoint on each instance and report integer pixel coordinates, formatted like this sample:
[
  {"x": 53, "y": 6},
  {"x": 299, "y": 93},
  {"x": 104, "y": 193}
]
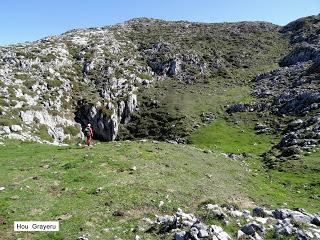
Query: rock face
[{"x": 106, "y": 119}]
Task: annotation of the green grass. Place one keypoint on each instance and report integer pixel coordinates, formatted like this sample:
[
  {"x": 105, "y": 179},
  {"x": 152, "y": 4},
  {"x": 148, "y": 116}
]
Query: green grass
[
  {"x": 298, "y": 186},
  {"x": 8, "y": 121},
  {"x": 231, "y": 138},
  {"x": 145, "y": 76},
  {"x": 45, "y": 182},
  {"x": 285, "y": 189},
  {"x": 66, "y": 178}
]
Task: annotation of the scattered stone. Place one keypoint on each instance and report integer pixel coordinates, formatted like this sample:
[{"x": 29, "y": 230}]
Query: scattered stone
[
  {"x": 137, "y": 237},
  {"x": 171, "y": 141},
  {"x": 6, "y": 129},
  {"x": 258, "y": 212},
  {"x": 64, "y": 217},
  {"x": 316, "y": 220},
  {"x": 2, "y": 188},
  {"x": 15, "y": 197},
  {"x": 186, "y": 226},
  {"x": 203, "y": 233},
  {"x": 83, "y": 238},
  {"x": 295, "y": 123},
  {"x": 118, "y": 213},
  {"x": 161, "y": 204},
  {"x": 180, "y": 235},
  {"x": 16, "y": 128},
  {"x": 246, "y": 214},
  {"x": 207, "y": 151},
  {"x": 252, "y": 228},
  {"x": 216, "y": 211}
]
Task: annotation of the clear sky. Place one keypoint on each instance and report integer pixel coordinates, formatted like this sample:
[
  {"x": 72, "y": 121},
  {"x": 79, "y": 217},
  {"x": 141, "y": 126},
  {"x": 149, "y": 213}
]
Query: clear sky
[{"x": 28, "y": 20}]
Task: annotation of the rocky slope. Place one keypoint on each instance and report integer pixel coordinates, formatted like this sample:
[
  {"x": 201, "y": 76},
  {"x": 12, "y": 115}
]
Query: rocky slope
[
  {"x": 53, "y": 87},
  {"x": 292, "y": 93}
]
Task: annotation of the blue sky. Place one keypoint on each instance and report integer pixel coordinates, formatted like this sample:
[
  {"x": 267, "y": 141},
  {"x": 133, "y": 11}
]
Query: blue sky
[{"x": 28, "y": 20}]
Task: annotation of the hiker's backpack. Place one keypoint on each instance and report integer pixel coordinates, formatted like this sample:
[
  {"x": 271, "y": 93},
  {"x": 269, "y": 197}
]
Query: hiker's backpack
[{"x": 87, "y": 131}]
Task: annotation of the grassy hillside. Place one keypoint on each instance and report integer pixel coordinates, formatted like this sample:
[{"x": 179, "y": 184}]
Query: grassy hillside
[
  {"x": 44, "y": 182},
  {"x": 97, "y": 191}
]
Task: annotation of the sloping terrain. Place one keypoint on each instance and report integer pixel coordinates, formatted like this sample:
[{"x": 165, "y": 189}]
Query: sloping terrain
[
  {"x": 289, "y": 96},
  {"x": 102, "y": 75},
  {"x": 115, "y": 189},
  {"x": 232, "y": 94},
  {"x": 109, "y": 186}
]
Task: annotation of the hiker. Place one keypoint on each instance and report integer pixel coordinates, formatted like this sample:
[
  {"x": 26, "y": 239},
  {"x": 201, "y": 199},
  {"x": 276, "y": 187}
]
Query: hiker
[{"x": 89, "y": 134}]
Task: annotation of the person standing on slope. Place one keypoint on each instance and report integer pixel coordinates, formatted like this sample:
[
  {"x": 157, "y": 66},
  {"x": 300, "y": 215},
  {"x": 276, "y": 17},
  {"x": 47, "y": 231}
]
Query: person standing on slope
[{"x": 89, "y": 133}]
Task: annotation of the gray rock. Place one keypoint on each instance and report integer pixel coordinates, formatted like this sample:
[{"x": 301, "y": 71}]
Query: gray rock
[
  {"x": 300, "y": 217},
  {"x": 219, "y": 214},
  {"x": 246, "y": 214},
  {"x": 203, "y": 233},
  {"x": 193, "y": 232},
  {"x": 6, "y": 129},
  {"x": 316, "y": 220},
  {"x": 83, "y": 238},
  {"x": 166, "y": 220},
  {"x": 215, "y": 229},
  {"x": 302, "y": 236},
  {"x": 223, "y": 236},
  {"x": 16, "y": 128},
  {"x": 295, "y": 123},
  {"x": 252, "y": 228},
  {"x": 180, "y": 235},
  {"x": 281, "y": 213},
  {"x": 240, "y": 234},
  {"x": 259, "y": 212}
]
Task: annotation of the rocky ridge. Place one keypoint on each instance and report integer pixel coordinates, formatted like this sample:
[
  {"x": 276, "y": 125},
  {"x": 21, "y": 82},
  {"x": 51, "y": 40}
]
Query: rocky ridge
[
  {"x": 51, "y": 88},
  {"x": 291, "y": 92}
]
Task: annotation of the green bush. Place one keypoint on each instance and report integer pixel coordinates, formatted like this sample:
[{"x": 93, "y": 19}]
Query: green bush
[
  {"x": 42, "y": 132},
  {"x": 118, "y": 73},
  {"x": 88, "y": 55},
  {"x": 48, "y": 58},
  {"x": 29, "y": 83},
  {"x": 28, "y": 55},
  {"x": 145, "y": 76},
  {"x": 54, "y": 83},
  {"x": 7, "y": 121},
  {"x": 4, "y": 103},
  {"x": 11, "y": 91},
  {"x": 106, "y": 112},
  {"x": 35, "y": 66},
  {"x": 22, "y": 76}
]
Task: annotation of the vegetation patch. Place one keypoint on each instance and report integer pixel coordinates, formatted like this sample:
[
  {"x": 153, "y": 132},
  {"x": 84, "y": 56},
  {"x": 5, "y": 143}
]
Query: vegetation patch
[
  {"x": 48, "y": 58},
  {"x": 145, "y": 76},
  {"x": 54, "y": 83},
  {"x": 42, "y": 132},
  {"x": 72, "y": 130}
]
